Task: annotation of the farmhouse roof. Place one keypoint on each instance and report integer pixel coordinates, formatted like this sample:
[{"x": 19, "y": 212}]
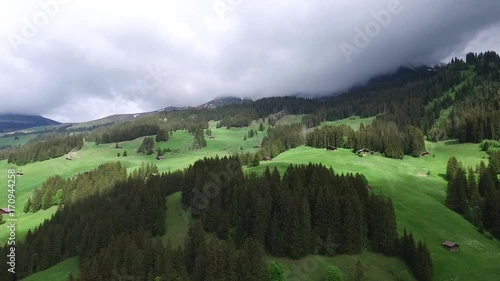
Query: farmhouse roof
[{"x": 449, "y": 244}]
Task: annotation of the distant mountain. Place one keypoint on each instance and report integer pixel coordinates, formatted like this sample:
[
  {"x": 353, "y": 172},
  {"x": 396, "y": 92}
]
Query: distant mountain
[
  {"x": 220, "y": 101},
  {"x": 15, "y": 122}
]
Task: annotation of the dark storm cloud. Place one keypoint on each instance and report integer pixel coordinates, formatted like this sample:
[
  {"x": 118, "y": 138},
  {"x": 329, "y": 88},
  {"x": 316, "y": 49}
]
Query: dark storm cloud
[{"x": 88, "y": 59}]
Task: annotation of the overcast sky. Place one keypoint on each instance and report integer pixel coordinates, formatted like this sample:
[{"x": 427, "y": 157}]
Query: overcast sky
[{"x": 76, "y": 60}]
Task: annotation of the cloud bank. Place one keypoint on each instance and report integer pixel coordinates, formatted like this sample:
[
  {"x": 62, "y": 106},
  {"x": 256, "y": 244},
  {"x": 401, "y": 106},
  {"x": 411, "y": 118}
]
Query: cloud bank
[{"x": 75, "y": 60}]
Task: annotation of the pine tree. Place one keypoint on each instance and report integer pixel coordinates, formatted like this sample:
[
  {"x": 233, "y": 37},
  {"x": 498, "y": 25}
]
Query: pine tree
[
  {"x": 423, "y": 268},
  {"x": 452, "y": 167},
  {"x": 27, "y": 206},
  {"x": 456, "y": 192},
  {"x": 333, "y": 274},
  {"x": 359, "y": 274},
  {"x": 276, "y": 272}
]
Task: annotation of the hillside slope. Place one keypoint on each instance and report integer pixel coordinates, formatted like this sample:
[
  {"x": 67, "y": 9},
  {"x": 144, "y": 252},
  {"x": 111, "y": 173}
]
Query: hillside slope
[{"x": 14, "y": 122}]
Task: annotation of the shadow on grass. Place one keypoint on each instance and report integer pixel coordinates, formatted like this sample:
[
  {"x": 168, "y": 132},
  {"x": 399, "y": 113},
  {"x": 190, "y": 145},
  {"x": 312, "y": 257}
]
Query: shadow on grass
[{"x": 443, "y": 176}]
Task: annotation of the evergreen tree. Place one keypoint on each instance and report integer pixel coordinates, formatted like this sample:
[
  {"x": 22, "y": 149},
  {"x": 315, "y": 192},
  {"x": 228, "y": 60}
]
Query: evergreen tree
[
  {"x": 359, "y": 274},
  {"x": 27, "y": 206},
  {"x": 456, "y": 192},
  {"x": 276, "y": 272},
  {"x": 423, "y": 268},
  {"x": 452, "y": 167},
  {"x": 333, "y": 274}
]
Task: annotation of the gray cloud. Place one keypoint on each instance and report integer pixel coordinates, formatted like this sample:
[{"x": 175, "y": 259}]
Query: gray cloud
[{"x": 92, "y": 59}]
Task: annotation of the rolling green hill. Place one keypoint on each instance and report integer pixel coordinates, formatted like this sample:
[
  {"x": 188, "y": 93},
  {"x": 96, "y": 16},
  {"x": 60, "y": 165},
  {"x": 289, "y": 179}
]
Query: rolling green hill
[{"x": 419, "y": 202}]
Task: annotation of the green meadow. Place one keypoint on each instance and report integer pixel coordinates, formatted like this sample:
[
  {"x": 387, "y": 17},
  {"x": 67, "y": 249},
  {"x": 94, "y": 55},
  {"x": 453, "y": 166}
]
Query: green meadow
[
  {"x": 57, "y": 272},
  {"x": 10, "y": 140},
  {"x": 416, "y": 186},
  {"x": 353, "y": 122},
  {"x": 419, "y": 202},
  {"x": 225, "y": 142}
]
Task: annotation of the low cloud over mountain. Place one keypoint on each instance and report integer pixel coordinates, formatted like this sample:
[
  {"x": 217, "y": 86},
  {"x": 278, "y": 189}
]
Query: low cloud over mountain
[{"x": 76, "y": 60}]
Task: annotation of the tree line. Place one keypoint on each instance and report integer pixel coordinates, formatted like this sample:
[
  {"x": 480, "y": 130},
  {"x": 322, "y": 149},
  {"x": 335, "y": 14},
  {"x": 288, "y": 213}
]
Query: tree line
[
  {"x": 57, "y": 191},
  {"x": 44, "y": 150},
  {"x": 380, "y": 136},
  {"x": 310, "y": 210},
  {"x": 475, "y": 194},
  {"x": 94, "y": 218}
]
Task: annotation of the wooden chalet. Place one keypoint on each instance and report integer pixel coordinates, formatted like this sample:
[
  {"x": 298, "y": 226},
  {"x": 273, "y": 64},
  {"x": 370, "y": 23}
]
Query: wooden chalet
[
  {"x": 425, "y": 153},
  {"x": 160, "y": 158},
  {"x": 20, "y": 174},
  {"x": 6, "y": 211},
  {"x": 268, "y": 158},
  {"x": 450, "y": 246},
  {"x": 363, "y": 151},
  {"x": 331, "y": 148},
  {"x": 69, "y": 158}
]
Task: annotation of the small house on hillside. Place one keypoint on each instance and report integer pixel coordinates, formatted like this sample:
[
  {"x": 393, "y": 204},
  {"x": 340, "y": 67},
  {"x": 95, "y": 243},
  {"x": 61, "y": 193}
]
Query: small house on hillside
[
  {"x": 6, "y": 211},
  {"x": 363, "y": 151},
  {"x": 425, "y": 153},
  {"x": 20, "y": 174},
  {"x": 331, "y": 148},
  {"x": 69, "y": 158},
  {"x": 268, "y": 158},
  {"x": 160, "y": 158},
  {"x": 211, "y": 138},
  {"x": 450, "y": 246}
]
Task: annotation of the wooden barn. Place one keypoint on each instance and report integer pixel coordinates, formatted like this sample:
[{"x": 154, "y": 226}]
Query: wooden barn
[
  {"x": 160, "y": 158},
  {"x": 20, "y": 174},
  {"x": 6, "y": 211},
  {"x": 425, "y": 153},
  {"x": 268, "y": 158},
  {"x": 363, "y": 151},
  {"x": 450, "y": 246},
  {"x": 69, "y": 158},
  {"x": 331, "y": 148}
]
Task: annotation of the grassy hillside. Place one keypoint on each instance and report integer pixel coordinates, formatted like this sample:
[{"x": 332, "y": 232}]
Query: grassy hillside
[
  {"x": 14, "y": 122},
  {"x": 376, "y": 267},
  {"x": 177, "y": 221},
  {"x": 353, "y": 122},
  {"x": 419, "y": 203},
  {"x": 225, "y": 142},
  {"x": 418, "y": 198},
  {"x": 58, "y": 272},
  {"x": 13, "y": 142}
]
